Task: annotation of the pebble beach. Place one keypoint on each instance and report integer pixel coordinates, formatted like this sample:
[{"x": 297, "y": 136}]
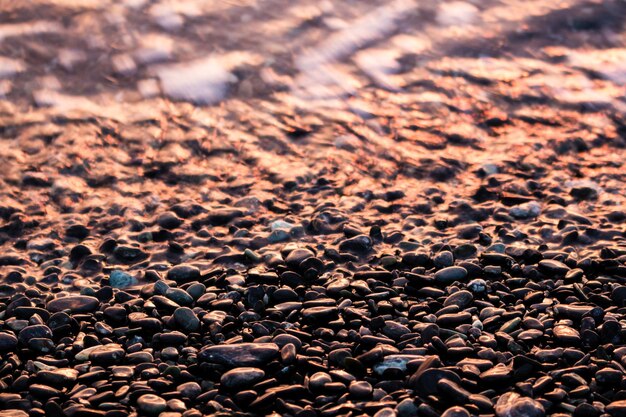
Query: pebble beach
[{"x": 271, "y": 208}]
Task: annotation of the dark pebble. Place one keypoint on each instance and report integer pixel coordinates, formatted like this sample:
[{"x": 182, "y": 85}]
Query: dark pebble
[{"x": 240, "y": 354}]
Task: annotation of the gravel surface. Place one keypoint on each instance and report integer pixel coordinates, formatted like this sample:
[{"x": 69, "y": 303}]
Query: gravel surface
[{"x": 277, "y": 208}]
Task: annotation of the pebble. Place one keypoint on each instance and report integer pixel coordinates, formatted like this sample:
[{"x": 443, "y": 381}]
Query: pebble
[
  {"x": 426, "y": 381},
  {"x": 450, "y": 274},
  {"x": 74, "y": 303},
  {"x": 121, "y": 279},
  {"x": 14, "y": 413},
  {"x": 151, "y": 404},
  {"x": 37, "y": 331},
  {"x": 358, "y": 244},
  {"x": 456, "y": 411},
  {"x": 107, "y": 355},
  {"x": 8, "y": 342},
  {"x": 320, "y": 314},
  {"x": 566, "y": 335},
  {"x": 407, "y": 408},
  {"x": 616, "y": 408},
  {"x": 360, "y": 389},
  {"x": 460, "y": 299},
  {"x": 297, "y": 256},
  {"x": 511, "y": 404},
  {"x": 529, "y": 210},
  {"x": 183, "y": 273},
  {"x": 189, "y": 389},
  {"x": 186, "y": 319},
  {"x": 552, "y": 267},
  {"x": 222, "y": 260},
  {"x": 179, "y": 296},
  {"x": 169, "y": 220},
  {"x": 477, "y": 285},
  {"x": 240, "y": 354},
  {"x": 242, "y": 377}
]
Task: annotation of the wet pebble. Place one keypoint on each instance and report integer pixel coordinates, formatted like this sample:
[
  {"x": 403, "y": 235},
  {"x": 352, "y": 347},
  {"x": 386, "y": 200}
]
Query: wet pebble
[
  {"x": 450, "y": 274},
  {"x": 242, "y": 377},
  {"x": 566, "y": 334},
  {"x": 512, "y": 404},
  {"x": 121, "y": 279},
  {"x": 74, "y": 303},
  {"x": 8, "y": 342},
  {"x": 183, "y": 273},
  {"x": 186, "y": 319},
  {"x": 240, "y": 354},
  {"x": 151, "y": 404}
]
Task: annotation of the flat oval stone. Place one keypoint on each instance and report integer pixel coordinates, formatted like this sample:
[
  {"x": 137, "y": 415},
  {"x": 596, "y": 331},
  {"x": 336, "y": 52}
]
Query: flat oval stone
[
  {"x": 58, "y": 377},
  {"x": 241, "y": 377},
  {"x": 151, "y": 404},
  {"x": 360, "y": 389},
  {"x": 575, "y": 312},
  {"x": 461, "y": 299},
  {"x": 566, "y": 334},
  {"x": 550, "y": 266},
  {"x": 454, "y": 319},
  {"x": 318, "y": 380},
  {"x": 189, "y": 389},
  {"x": 450, "y": 274},
  {"x": 240, "y": 354},
  {"x": 357, "y": 244},
  {"x": 37, "y": 331},
  {"x": 179, "y": 296},
  {"x": 296, "y": 257},
  {"x": 186, "y": 319},
  {"x": 616, "y": 408},
  {"x": 74, "y": 303},
  {"x": 108, "y": 354},
  {"x": 8, "y": 342},
  {"x": 14, "y": 413},
  {"x": 43, "y": 391},
  {"x": 183, "y": 273},
  {"x": 320, "y": 313}
]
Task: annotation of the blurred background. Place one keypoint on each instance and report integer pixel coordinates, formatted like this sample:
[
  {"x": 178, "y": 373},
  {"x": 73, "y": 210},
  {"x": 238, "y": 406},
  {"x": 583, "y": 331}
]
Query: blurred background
[{"x": 96, "y": 55}]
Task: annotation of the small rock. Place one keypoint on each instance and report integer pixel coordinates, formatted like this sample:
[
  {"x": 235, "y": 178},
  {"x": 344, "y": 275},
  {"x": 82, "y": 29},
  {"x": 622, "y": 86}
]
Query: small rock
[
  {"x": 121, "y": 279},
  {"x": 566, "y": 334},
  {"x": 240, "y": 354},
  {"x": 461, "y": 299},
  {"x": 37, "y": 331},
  {"x": 183, "y": 273},
  {"x": 550, "y": 266},
  {"x": 186, "y": 319},
  {"x": 106, "y": 355},
  {"x": 616, "y": 408},
  {"x": 74, "y": 303},
  {"x": 456, "y": 411},
  {"x": 477, "y": 285},
  {"x": 151, "y": 404},
  {"x": 450, "y": 274},
  {"x": 8, "y": 342},
  {"x": 190, "y": 389},
  {"x": 241, "y": 377},
  {"x": 528, "y": 210},
  {"x": 169, "y": 220},
  {"x": 512, "y": 404},
  {"x": 357, "y": 244},
  {"x": 360, "y": 389}
]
